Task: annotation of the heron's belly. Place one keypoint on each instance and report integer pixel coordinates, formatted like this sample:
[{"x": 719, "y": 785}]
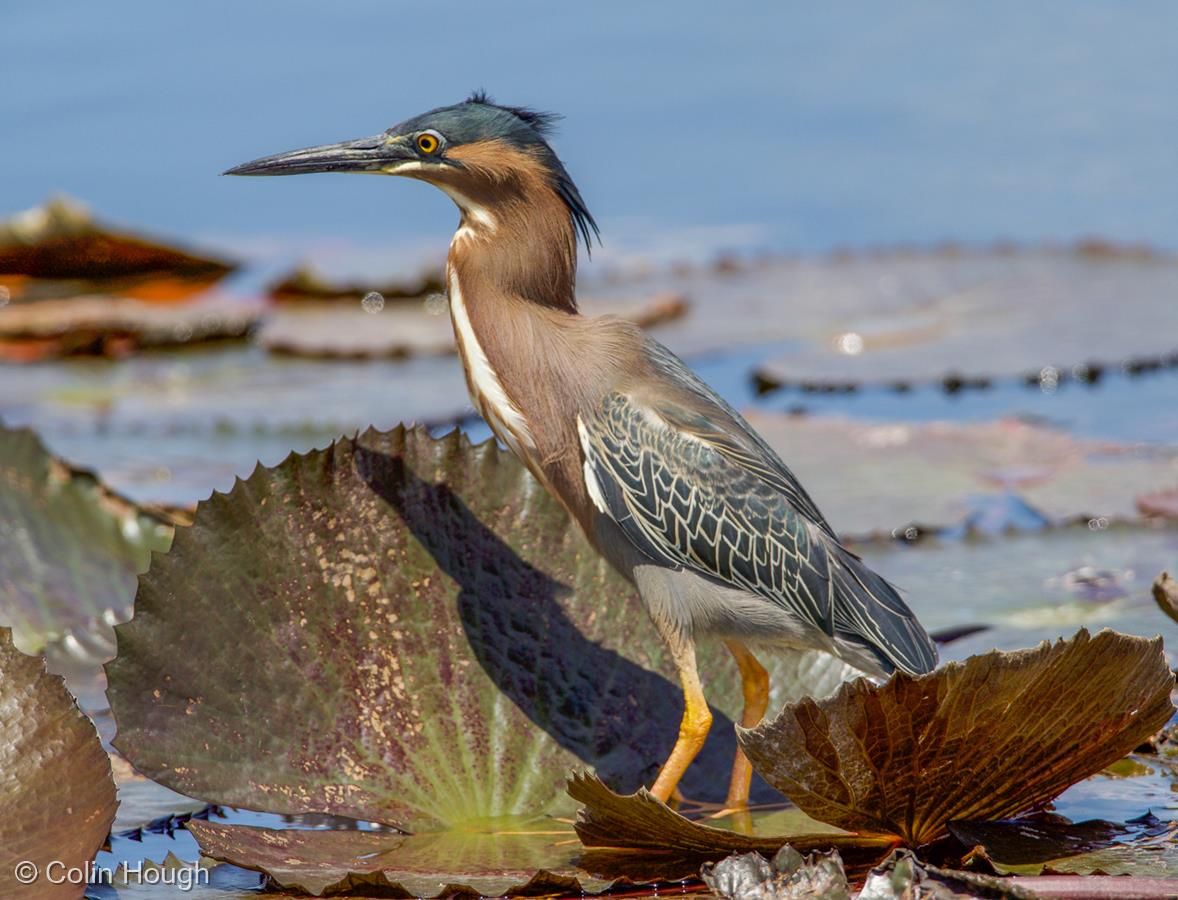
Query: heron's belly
[{"x": 684, "y": 602}]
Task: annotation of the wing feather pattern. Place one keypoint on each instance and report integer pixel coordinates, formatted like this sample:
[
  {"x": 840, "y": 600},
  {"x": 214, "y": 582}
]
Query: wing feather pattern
[{"x": 695, "y": 488}]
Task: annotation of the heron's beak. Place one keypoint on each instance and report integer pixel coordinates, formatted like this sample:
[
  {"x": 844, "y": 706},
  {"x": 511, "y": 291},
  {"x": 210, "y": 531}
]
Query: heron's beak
[{"x": 383, "y": 153}]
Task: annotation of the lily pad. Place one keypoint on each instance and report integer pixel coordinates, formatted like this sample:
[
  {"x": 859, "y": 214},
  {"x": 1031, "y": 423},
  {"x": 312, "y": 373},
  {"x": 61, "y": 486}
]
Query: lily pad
[
  {"x": 432, "y": 644},
  {"x": 878, "y": 477},
  {"x": 1034, "y": 587},
  {"x": 517, "y": 857},
  {"x": 69, "y": 549},
  {"x": 116, "y": 326},
  {"x": 985, "y": 739},
  {"x": 974, "y": 317},
  {"x": 173, "y": 427},
  {"x": 408, "y": 327},
  {"x": 1048, "y": 838},
  {"x": 59, "y": 250},
  {"x": 55, "y": 783},
  {"x": 431, "y": 641},
  {"x": 1154, "y": 857},
  {"x": 305, "y": 284}
]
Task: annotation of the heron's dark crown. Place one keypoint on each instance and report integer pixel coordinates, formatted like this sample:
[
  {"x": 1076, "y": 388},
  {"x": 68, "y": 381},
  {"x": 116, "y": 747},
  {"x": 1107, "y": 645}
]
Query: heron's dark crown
[{"x": 478, "y": 119}]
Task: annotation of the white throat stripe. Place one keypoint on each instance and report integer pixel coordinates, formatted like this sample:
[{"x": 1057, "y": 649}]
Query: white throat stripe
[{"x": 487, "y": 393}]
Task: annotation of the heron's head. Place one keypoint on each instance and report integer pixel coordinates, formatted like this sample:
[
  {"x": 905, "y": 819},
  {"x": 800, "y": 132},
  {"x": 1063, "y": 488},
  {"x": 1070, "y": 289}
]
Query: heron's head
[{"x": 494, "y": 161}]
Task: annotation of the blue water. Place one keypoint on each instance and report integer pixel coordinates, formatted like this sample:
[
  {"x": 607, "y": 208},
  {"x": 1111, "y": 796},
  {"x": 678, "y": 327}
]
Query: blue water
[{"x": 690, "y": 129}]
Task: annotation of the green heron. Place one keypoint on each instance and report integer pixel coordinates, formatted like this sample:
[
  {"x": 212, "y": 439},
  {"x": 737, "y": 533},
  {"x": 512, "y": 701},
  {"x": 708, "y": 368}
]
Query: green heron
[{"x": 668, "y": 482}]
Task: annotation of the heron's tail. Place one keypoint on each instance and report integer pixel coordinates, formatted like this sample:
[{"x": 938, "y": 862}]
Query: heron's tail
[{"x": 869, "y": 613}]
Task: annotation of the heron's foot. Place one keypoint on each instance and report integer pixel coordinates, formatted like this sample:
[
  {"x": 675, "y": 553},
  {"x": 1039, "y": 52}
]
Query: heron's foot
[{"x": 742, "y": 819}]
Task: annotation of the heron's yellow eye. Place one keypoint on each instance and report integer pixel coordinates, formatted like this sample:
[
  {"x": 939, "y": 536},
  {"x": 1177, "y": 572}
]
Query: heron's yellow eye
[{"x": 427, "y": 143}]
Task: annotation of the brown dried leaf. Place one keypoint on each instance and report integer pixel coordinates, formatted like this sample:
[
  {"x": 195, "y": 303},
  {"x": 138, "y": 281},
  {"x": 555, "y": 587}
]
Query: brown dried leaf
[
  {"x": 1165, "y": 592},
  {"x": 985, "y": 739},
  {"x": 640, "y": 838}
]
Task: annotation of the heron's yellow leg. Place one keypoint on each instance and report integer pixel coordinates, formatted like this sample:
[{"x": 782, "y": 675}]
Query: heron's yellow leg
[
  {"x": 754, "y": 681},
  {"x": 693, "y": 730}
]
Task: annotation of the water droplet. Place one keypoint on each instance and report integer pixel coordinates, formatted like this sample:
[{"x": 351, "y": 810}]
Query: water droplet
[
  {"x": 5, "y": 296},
  {"x": 1048, "y": 379},
  {"x": 435, "y": 304},
  {"x": 850, "y": 343},
  {"x": 373, "y": 302}
]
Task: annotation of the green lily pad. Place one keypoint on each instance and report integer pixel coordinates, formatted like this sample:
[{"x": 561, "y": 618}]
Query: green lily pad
[
  {"x": 985, "y": 739},
  {"x": 527, "y": 857},
  {"x": 69, "y": 549},
  {"x": 404, "y": 630},
  {"x": 55, "y": 783}
]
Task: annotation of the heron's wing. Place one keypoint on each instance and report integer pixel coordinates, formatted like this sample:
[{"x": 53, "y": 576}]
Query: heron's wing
[
  {"x": 722, "y": 426},
  {"x": 669, "y": 476}
]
